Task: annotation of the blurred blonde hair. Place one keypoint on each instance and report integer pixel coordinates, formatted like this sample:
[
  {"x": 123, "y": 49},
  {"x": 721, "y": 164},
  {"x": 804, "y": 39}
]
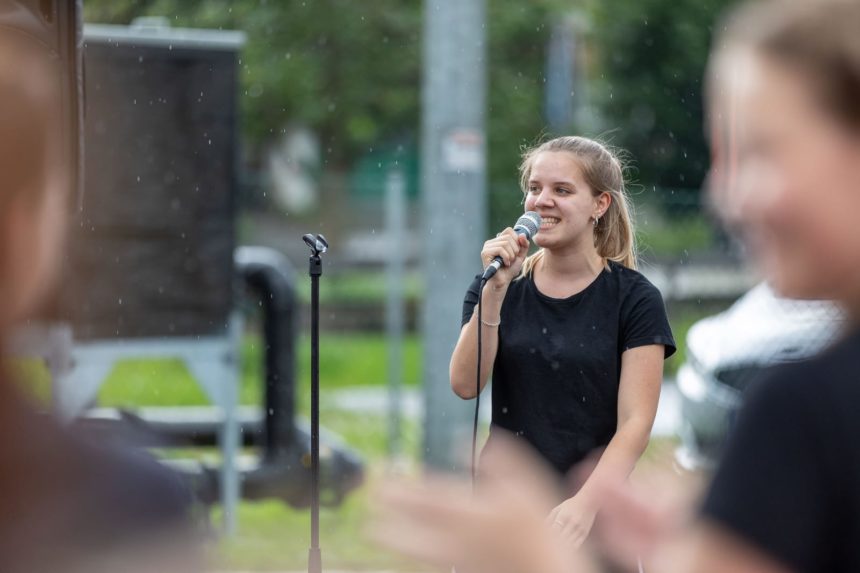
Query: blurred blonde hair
[
  {"x": 820, "y": 38},
  {"x": 603, "y": 170}
]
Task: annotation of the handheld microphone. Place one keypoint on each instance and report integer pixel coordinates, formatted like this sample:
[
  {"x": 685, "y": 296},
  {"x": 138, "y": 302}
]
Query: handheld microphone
[{"x": 526, "y": 225}]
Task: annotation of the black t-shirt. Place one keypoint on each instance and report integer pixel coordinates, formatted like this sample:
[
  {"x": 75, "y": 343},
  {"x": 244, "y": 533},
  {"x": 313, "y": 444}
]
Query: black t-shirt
[
  {"x": 558, "y": 365},
  {"x": 789, "y": 480}
]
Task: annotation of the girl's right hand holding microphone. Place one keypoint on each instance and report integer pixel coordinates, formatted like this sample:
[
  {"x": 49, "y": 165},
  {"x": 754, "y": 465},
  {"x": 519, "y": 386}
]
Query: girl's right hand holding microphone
[{"x": 513, "y": 249}]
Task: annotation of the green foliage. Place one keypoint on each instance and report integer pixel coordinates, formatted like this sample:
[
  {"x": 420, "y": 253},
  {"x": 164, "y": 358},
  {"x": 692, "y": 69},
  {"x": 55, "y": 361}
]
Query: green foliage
[
  {"x": 650, "y": 62},
  {"x": 682, "y": 237},
  {"x": 670, "y": 224},
  {"x": 518, "y": 35},
  {"x": 352, "y": 70}
]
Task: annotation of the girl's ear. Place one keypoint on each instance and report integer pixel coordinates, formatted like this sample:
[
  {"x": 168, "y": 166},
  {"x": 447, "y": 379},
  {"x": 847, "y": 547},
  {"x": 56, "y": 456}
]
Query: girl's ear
[{"x": 604, "y": 200}]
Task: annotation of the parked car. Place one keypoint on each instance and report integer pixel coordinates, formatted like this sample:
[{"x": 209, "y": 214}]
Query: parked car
[{"x": 727, "y": 351}]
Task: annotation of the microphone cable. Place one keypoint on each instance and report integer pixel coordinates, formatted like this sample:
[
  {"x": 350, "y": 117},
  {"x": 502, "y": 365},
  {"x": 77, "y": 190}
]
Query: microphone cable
[
  {"x": 528, "y": 226},
  {"x": 477, "y": 385}
]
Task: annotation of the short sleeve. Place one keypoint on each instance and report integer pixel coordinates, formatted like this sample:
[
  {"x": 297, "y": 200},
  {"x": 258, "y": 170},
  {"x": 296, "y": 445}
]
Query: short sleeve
[
  {"x": 471, "y": 300},
  {"x": 644, "y": 320},
  {"x": 770, "y": 488}
]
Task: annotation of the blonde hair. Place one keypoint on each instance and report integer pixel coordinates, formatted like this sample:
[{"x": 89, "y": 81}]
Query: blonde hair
[
  {"x": 602, "y": 169},
  {"x": 820, "y": 38}
]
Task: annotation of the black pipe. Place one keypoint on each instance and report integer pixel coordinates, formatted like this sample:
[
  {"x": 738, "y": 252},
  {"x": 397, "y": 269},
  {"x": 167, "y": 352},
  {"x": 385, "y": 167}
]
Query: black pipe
[
  {"x": 268, "y": 275},
  {"x": 289, "y": 479}
]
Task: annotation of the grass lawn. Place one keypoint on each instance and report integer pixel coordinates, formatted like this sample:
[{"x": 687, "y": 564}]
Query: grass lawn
[
  {"x": 361, "y": 287},
  {"x": 349, "y": 360},
  {"x": 273, "y": 536}
]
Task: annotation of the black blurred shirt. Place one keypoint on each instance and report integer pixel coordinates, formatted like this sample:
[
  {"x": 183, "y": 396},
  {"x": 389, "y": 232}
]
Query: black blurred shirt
[
  {"x": 558, "y": 365},
  {"x": 789, "y": 481}
]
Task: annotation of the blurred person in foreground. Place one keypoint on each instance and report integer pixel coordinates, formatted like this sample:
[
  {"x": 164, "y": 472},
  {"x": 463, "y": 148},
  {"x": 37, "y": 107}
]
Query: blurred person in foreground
[
  {"x": 65, "y": 504},
  {"x": 784, "y": 102}
]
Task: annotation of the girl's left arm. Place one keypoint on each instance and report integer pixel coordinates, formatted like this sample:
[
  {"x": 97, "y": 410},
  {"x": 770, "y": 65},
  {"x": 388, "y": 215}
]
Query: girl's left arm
[{"x": 638, "y": 394}]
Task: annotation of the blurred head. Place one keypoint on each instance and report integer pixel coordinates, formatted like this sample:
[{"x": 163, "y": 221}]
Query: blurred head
[
  {"x": 577, "y": 186},
  {"x": 33, "y": 174},
  {"x": 784, "y": 103}
]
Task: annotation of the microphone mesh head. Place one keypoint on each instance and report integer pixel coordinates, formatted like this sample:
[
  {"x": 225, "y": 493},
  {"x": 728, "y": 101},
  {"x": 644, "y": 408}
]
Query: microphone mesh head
[{"x": 530, "y": 223}]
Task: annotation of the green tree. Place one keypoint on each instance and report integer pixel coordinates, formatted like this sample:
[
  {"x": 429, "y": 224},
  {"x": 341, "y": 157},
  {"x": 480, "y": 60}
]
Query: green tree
[
  {"x": 352, "y": 70},
  {"x": 349, "y": 70},
  {"x": 650, "y": 61},
  {"x": 518, "y": 35}
]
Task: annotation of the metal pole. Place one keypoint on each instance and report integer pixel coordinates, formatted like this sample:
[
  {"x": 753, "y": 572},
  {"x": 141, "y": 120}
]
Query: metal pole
[
  {"x": 559, "y": 88},
  {"x": 231, "y": 480},
  {"x": 395, "y": 218},
  {"x": 315, "y": 559},
  {"x": 318, "y": 245},
  {"x": 453, "y": 189}
]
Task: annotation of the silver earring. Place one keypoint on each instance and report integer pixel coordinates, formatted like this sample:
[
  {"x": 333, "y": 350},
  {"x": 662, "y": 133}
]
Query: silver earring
[{"x": 596, "y": 219}]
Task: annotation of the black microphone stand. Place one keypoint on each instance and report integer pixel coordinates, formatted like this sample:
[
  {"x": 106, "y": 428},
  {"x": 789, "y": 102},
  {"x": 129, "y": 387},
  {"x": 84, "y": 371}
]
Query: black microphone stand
[{"x": 318, "y": 245}]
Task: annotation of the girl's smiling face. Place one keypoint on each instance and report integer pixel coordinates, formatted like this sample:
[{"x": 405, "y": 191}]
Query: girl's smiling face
[{"x": 557, "y": 190}]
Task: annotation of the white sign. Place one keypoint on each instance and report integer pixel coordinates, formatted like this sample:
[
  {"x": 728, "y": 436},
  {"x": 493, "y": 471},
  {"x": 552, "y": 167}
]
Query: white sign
[{"x": 463, "y": 151}]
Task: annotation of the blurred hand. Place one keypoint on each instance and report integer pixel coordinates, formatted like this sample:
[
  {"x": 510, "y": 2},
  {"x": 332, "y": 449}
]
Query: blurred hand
[
  {"x": 573, "y": 519},
  {"x": 500, "y": 528},
  {"x": 646, "y": 520},
  {"x": 513, "y": 249}
]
